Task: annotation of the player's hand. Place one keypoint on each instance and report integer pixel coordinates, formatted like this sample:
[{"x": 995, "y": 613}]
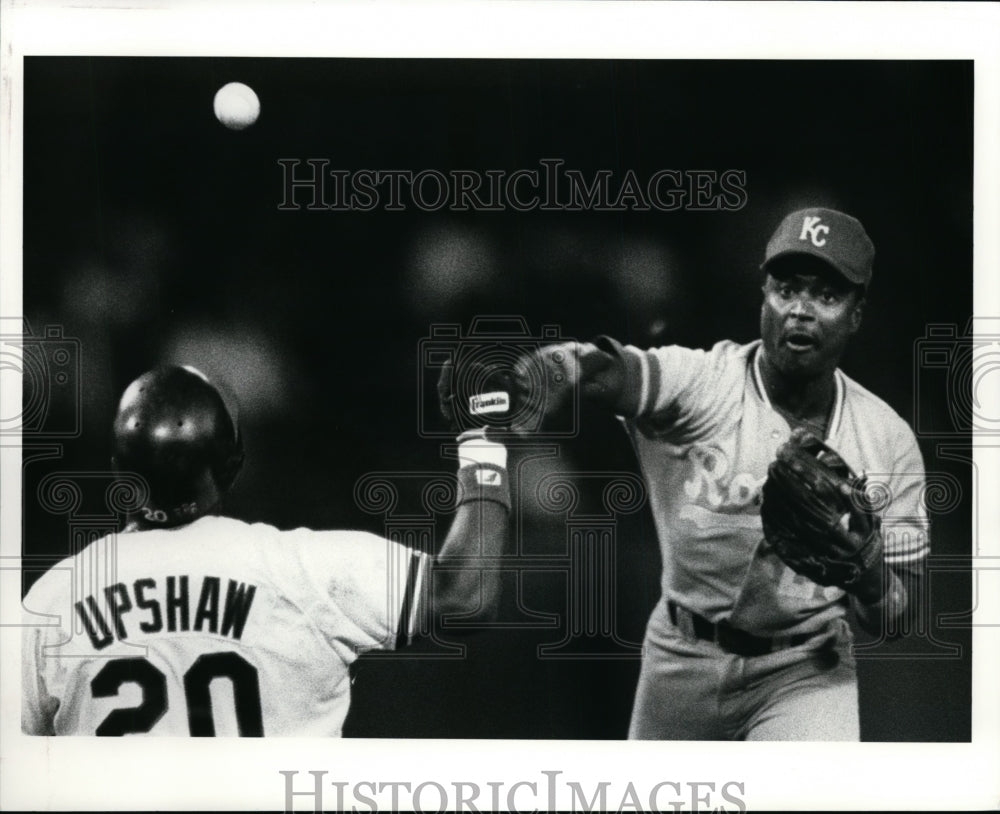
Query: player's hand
[
  {"x": 548, "y": 379},
  {"x": 554, "y": 377}
]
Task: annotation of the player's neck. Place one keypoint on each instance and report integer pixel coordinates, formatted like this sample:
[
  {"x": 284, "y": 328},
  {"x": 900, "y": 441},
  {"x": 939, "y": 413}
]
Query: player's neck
[
  {"x": 138, "y": 523},
  {"x": 807, "y": 399}
]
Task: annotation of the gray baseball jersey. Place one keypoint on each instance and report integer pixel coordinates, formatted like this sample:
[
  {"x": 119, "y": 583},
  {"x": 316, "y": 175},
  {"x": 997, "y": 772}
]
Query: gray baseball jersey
[{"x": 704, "y": 435}]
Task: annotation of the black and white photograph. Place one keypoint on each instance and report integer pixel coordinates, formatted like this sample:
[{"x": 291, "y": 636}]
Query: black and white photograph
[{"x": 497, "y": 429}]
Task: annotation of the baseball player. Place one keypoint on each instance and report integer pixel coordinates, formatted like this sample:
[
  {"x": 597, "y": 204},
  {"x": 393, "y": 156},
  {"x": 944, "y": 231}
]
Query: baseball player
[
  {"x": 748, "y": 641},
  {"x": 191, "y": 623}
]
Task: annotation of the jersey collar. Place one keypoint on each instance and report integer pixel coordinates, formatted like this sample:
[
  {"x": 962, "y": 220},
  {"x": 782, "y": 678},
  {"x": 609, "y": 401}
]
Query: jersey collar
[{"x": 838, "y": 396}]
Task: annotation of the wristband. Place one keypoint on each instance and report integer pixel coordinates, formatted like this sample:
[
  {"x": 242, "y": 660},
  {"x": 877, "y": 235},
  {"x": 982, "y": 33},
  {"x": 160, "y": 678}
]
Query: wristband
[
  {"x": 483, "y": 482},
  {"x": 474, "y": 449}
]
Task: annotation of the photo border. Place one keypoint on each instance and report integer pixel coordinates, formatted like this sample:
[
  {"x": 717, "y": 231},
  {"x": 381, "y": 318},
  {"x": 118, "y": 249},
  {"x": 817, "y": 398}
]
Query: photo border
[{"x": 98, "y": 774}]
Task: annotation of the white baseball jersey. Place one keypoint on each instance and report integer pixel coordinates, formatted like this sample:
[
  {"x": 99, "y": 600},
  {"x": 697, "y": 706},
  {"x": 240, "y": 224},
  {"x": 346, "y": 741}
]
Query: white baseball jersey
[
  {"x": 704, "y": 435},
  {"x": 218, "y": 627}
]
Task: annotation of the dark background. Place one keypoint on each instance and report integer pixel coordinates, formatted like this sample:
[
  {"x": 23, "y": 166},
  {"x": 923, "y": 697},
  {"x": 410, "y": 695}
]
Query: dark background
[{"x": 152, "y": 233}]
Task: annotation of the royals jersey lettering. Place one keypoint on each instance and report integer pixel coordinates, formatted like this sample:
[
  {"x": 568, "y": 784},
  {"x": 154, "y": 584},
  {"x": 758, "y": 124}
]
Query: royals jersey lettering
[
  {"x": 218, "y": 627},
  {"x": 704, "y": 435}
]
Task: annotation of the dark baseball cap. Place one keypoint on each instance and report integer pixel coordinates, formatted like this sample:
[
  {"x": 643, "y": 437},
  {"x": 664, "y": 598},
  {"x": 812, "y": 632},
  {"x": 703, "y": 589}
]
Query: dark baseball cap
[{"x": 830, "y": 235}]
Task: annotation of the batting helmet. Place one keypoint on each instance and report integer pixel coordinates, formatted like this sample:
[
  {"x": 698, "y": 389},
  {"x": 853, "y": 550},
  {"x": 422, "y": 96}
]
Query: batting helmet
[{"x": 174, "y": 429}]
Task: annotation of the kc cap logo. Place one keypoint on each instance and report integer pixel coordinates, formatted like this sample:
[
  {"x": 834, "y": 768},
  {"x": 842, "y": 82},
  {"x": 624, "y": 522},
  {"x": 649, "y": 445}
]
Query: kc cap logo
[
  {"x": 832, "y": 236},
  {"x": 812, "y": 229}
]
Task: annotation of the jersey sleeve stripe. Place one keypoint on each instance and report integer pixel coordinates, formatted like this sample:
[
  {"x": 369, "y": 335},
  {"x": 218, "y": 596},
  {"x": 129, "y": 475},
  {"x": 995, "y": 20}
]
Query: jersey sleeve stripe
[
  {"x": 409, "y": 615},
  {"x": 894, "y": 558},
  {"x": 905, "y": 545},
  {"x": 639, "y": 363},
  {"x": 653, "y": 372},
  {"x": 911, "y": 551}
]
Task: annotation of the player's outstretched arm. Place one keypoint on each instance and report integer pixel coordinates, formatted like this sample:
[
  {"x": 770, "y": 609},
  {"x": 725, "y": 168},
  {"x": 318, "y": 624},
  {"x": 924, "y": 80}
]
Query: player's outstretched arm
[
  {"x": 476, "y": 398},
  {"x": 465, "y": 579}
]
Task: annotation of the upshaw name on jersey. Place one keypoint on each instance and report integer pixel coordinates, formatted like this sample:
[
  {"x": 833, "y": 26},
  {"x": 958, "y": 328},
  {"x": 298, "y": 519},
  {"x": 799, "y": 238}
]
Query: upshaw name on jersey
[
  {"x": 716, "y": 497},
  {"x": 180, "y": 605}
]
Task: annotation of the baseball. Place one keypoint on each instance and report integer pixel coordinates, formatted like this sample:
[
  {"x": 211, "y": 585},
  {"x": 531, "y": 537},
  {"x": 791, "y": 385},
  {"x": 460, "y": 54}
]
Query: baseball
[{"x": 236, "y": 105}]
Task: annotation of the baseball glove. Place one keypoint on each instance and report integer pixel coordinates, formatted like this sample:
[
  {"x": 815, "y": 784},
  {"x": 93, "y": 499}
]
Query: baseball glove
[
  {"x": 816, "y": 514},
  {"x": 474, "y": 394}
]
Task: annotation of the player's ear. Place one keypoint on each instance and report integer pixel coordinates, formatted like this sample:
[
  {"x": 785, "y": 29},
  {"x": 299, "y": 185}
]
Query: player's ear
[
  {"x": 857, "y": 312},
  {"x": 765, "y": 286}
]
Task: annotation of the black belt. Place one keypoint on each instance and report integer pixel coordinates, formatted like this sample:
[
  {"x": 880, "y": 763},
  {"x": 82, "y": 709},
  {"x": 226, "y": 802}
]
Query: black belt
[{"x": 729, "y": 638}]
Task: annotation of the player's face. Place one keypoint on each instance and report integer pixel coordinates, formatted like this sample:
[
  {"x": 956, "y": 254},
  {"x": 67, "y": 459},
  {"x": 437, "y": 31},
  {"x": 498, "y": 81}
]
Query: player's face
[{"x": 808, "y": 315}]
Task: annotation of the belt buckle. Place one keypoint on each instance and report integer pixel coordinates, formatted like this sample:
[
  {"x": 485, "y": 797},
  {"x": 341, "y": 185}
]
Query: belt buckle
[{"x": 683, "y": 620}]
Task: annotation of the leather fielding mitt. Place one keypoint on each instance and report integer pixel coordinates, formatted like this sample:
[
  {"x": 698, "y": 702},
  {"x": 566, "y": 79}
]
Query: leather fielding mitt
[
  {"x": 816, "y": 514},
  {"x": 475, "y": 394}
]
